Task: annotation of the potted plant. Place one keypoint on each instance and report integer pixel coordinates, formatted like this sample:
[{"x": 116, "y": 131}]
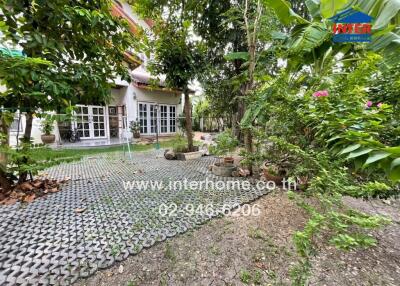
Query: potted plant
[
  {"x": 180, "y": 150},
  {"x": 274, "y": 172},
  {"x": 47, "y": 127},
  {"x": 134, "y": 126},
  {"x": 226, "y": 143}
]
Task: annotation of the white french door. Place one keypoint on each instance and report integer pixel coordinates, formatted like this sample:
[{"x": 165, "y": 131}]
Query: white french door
[
  {"x": 91, "y": 121},
  {"x": 152, "y": 115}
]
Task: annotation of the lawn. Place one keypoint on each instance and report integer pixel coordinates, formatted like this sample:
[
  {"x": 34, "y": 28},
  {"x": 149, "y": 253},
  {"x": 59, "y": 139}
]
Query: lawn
[{"x": 75, "y": 154}]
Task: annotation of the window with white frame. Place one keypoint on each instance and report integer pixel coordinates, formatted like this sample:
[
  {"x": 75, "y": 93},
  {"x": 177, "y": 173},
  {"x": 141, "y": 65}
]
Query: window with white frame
[
  {"x": 164, "y": 118},
  {"x": 172, "y": 119},
  {"x": 143, "y": 117},
  {"x": 150, "y": 113}
]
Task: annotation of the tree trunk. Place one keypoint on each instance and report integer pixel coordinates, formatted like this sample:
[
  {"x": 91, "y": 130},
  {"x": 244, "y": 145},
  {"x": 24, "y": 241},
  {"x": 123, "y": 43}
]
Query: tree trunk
[
  {"x": 239, "y": 116},
  {"x": 188, "y": 117},
  {"x": 28, "y": 127},
  {"x": 5, "y": 184},
  {"x": 251, "y": 33},
  {"x": 27, "y": 138}
]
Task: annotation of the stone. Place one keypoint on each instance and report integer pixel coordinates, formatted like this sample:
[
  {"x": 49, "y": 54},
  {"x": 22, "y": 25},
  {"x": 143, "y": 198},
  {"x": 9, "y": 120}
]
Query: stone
[
  {"x": 244, "y": 172},
  {"x": 235, "y": 174},
  {"x": 169, "y": 155}
]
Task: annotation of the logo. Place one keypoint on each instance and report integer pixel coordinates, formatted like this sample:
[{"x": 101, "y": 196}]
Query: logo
[{"x": 351, "y": 26}]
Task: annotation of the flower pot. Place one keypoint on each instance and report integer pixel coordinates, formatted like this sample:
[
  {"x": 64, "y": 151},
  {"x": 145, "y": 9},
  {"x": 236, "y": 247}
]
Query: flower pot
[
  {"x": 48, "y": 139},
  {"x": 223, "y": 170},
  {"x": 229, "y": 161},
  {"x": 271, "y": 177},
  {"x": 136, "y": 135},
  {"x": 277, "y": 179},
  {"x": 189, "y": 155}
]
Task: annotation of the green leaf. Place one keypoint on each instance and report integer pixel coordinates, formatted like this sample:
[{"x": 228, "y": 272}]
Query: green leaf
[
  {"x": 383, "y": 10},
  {"x": 359, "y": 153},
  {"x": 276, "y": 35},
  {"x": 313, "y": 7},
  {"x": 284, "y": 12},
  {"x": 382, "y": 41},
  {"x": 305, "y": 38},
  {"x": 388, "y": 9},
  {"x": 329, "y": 8},
  {"x": 251, "y": 114},
  {"x": 349, "y": 149},
  {"x": 395, "y": 174},
  {"x": 187, "y": 24},
  {"x": 395, "y": 164},
  {"x": 334, "y": 138},
  {"x": 393, "y": 150},
  {"x": 358, "y": 163},
  {"x": 237, "y": 56},
  {"x": 376, "y": 156},
  {"x": 38, "y": 38}
]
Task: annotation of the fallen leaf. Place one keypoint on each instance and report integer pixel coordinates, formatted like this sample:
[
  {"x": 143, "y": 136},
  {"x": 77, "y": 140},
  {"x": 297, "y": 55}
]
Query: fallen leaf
[
  {"x": 121, "y": 269},
  {"x": 10, "y": 201},
  {"x": 244, "y": 173},
  {"x": 37, "y": 184},
  {"x": 29, "y": 198},
  {"x": 80, "y": 210},
  {"x": 261, "y": 265},
  {"x": 25, "y": 187},
  {"x": 53, "y": 190}
]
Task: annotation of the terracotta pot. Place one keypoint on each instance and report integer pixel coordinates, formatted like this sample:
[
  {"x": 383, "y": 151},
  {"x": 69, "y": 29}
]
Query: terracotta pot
[
  {"x": 229, "y": 161},
  {"x": 270, "y": 177},
  {"x": 48, "y": 139},
  {"x": 277, "y": 179},
  {"x": 136, "y": 135}
]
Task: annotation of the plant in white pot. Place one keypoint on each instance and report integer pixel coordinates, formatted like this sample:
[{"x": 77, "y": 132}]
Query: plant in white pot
[{"x": 47, "y": 128}]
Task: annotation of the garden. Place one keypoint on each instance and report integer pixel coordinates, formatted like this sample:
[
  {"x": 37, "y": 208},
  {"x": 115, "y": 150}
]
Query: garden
[{"x": 297, "y": 184}]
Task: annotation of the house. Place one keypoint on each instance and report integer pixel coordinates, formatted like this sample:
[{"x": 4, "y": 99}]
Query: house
[{"x": 145, "y": 99}]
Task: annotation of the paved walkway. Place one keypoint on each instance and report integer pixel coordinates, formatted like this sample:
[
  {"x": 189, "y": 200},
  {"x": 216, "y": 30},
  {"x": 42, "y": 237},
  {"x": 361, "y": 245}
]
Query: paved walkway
[{"x": 94, "y": 222}]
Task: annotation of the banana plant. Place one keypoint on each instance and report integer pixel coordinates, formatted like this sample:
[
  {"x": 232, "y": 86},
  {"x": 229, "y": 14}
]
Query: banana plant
[{"x": 311, "y": 36}]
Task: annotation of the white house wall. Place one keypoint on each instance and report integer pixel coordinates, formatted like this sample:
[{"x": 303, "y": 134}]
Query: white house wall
[
  {"x": 136, "y": 95},
  {"x": 130, "y": 97}
]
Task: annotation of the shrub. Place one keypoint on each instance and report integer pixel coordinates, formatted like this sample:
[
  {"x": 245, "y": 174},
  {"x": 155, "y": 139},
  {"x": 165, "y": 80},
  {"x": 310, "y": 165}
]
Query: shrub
[
  {"x": 225, "y": 144},
  {"x": 47, "y": 124},
  {"x": 179, "y": 144}
]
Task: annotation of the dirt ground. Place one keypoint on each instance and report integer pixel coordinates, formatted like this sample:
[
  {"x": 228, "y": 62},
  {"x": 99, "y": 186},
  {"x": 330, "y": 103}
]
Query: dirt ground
[{"x": 250, "y": 250}]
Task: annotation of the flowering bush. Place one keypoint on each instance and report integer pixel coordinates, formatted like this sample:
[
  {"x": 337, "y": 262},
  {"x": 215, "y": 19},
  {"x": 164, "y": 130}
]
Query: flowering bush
[{"x": 321, "y": 93}]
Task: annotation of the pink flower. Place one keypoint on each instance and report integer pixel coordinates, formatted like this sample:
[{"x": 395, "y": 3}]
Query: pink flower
[
  {"x": 379, "y": 104},
  {"x": 369, "y": 103},
  {"x": 321, "y": 93}
]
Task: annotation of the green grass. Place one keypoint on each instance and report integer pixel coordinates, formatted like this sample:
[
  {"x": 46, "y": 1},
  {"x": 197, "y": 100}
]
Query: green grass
[{"x": 75, "y": 154}]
